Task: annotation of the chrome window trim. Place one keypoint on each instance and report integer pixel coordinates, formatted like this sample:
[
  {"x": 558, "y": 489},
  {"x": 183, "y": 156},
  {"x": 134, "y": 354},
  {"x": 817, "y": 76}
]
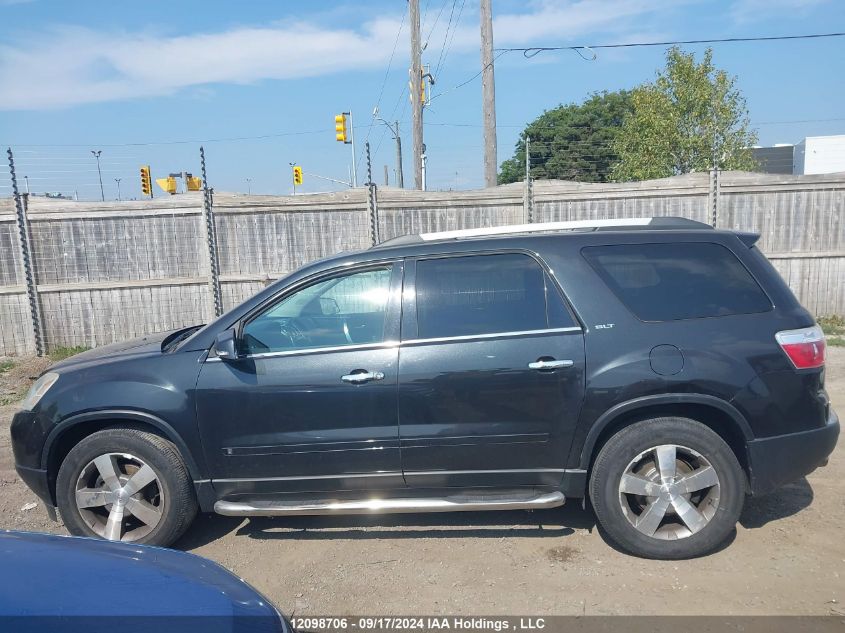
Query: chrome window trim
[
  {"x": 470, "y": 337},
  {"x": 314, "y": 350},
  {"x": 393, "y": 344}
]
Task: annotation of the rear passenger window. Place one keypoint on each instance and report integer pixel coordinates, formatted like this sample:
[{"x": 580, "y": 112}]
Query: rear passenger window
[
  {"x": 481, "y": 294},
  {"x": 668, "y": 282}
]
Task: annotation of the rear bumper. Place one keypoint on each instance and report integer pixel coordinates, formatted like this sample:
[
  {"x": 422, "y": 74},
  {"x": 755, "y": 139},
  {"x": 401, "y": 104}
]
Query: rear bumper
[{"x": 786, "y": 458}]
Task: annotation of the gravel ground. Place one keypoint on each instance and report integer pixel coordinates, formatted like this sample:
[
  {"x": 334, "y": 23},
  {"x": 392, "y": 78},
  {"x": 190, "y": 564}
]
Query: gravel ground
[{"x": 787, "y": 557}]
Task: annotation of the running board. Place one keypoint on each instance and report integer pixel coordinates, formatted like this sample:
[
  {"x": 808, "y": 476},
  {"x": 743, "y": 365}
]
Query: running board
[{"x": 457, "y": 503}]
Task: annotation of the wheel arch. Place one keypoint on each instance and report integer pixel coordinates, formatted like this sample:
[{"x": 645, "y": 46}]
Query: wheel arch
[
  {"x": 69, "y": 432},
  {"x": 717, "y": 414}
]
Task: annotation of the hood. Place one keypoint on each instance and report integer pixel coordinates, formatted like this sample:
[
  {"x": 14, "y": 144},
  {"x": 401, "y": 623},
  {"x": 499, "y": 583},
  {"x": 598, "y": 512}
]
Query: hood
[
  {"x": 50, "y": 575},
  {"x": 149, "y": 344}
]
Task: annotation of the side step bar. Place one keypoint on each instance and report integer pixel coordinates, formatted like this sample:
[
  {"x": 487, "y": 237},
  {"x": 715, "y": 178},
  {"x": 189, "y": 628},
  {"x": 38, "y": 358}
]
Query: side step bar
[{"x": 455, "y": 503}]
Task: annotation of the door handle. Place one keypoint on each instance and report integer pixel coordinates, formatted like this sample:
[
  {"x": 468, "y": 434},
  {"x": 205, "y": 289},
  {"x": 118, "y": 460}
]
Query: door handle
[
  {"x": 550, "y": 364},
  {"x": 362, "y": 377}
]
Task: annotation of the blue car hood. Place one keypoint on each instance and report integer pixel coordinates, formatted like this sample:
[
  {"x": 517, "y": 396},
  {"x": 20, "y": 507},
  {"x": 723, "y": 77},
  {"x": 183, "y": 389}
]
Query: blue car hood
[{"x": 49, "y": 575}]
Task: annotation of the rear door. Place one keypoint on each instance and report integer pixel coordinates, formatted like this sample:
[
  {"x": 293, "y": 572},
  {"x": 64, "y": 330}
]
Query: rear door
[{"x": 491, "y": 372}]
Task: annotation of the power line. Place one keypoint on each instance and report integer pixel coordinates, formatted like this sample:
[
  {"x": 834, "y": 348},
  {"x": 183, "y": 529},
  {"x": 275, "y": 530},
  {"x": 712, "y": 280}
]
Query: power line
[
  {"x": 531, "y": 51},
  {"x": 208, "y": 140},
  {"x": 444, "y": 50},
  {"x": 383, "y": 84},
  {"x": 437, "y": 19},
  {"x": 471, "y": 79}
]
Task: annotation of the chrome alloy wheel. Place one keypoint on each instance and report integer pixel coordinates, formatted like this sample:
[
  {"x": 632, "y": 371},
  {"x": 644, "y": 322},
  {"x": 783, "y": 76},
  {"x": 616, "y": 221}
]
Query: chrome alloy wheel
[
  {"x": 669, "y": 492},
  {"x": 119, "y": 497}
]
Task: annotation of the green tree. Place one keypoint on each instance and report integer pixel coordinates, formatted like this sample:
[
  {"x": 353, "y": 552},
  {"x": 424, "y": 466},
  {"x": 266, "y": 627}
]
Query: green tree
[
  {"x": 691, "y": 116},
  {"x": 571, "y": 142}
]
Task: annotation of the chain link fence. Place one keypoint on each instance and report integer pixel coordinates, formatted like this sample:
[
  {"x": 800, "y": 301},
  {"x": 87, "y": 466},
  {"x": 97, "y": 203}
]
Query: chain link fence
[{"x": 109, "y": 271}]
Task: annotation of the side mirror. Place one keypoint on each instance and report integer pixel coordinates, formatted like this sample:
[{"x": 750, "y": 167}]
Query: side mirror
[{"x": 226, "y": 345}]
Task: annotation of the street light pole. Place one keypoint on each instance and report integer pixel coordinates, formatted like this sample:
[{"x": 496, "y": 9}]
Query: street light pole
[
  {"x": 117, "y": 180},
  {"x": 293, "y": 178},
  {"x": 26, "y": 180},
  {"x": 249, "y": 186},
  {"x": 352, "y": 142},
  {"x": 394, "y": 129},
  {"x": 99, "y": 173}
]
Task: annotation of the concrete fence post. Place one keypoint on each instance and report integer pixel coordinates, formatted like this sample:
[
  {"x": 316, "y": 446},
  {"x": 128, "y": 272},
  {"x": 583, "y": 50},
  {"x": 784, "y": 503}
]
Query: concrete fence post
[
  {"x": 27, "y": 260},
  {"x": 211, "y": 240}
]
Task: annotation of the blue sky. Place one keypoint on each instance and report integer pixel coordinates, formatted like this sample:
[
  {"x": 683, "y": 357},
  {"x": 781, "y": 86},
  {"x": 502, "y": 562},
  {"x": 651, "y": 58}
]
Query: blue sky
[{"x": 136, "y": 79}]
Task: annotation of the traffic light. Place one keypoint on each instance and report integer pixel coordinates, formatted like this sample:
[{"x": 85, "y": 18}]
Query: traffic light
[
  {"x": 167, "y": 184},
  {"x": 340, "y": 128},
  {"x": 422, "y": 91},
  {"x": 194, "y": 183},
  {"x": 146, "y": 183},
  {"x": 297, "y": 175}
]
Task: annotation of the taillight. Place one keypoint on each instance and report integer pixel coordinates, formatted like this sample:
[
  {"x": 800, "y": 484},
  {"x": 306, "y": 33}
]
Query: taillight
[{"x": 805, "y": 347}]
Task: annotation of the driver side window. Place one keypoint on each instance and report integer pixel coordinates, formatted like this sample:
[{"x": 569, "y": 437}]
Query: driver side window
[{"x": 344, "y": 310}]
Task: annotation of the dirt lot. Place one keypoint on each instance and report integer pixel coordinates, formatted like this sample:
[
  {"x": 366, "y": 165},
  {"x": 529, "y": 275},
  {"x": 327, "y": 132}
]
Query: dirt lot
[{"x": 788, "y": 555}]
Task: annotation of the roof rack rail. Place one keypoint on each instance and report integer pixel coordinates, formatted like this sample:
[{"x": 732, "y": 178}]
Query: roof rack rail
[{"x": 669, "y": 222}]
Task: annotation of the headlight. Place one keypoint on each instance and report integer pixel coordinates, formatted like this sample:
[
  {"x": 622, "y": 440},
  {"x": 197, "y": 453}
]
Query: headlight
[{"x": 38, "y": 389}]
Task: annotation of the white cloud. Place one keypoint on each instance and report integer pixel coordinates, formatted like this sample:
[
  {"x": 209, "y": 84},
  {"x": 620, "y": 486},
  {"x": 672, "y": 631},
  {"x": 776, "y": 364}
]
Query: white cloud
[
  {"x": 754, "y": 10},
  {"x": 65, "y": 66}
]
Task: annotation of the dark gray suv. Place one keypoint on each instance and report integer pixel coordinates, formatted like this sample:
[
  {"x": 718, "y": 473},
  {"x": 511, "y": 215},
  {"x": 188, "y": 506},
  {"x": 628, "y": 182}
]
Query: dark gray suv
[{"x": 658, "y": 366}]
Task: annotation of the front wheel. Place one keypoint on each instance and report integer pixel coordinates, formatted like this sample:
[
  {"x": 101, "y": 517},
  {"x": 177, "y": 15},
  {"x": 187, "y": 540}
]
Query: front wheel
[
  {"x": 667, "y": 488},
  {"x": 125, "y": 484}
]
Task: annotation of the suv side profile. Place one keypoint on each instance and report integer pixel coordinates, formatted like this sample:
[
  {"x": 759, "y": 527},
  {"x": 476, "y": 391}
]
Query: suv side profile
[{"x": 657, "y": 366}]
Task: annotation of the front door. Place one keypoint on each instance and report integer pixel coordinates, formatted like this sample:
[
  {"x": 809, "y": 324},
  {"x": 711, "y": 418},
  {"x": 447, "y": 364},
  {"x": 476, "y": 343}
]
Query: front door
[
  {"x": 491, "y": 373},
  {"x": 311, "y": 405}
]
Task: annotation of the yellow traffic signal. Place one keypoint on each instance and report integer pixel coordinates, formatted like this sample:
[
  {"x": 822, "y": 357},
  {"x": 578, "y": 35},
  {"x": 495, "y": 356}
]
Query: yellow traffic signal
[
  {"x": 167, "y": 184},
  {"x": 146, "y": 183},
  {"x": 297, "y": 175},
  {"x": 194, "y": 183},
  {"x": 340, "y": 128},
  {"x": 422, "y": 92}
]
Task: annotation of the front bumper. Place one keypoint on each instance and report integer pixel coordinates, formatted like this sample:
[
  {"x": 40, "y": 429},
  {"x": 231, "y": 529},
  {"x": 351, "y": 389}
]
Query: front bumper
[
  {"x": 37, "y": 481},
  {"x": 782, "y": 459}
]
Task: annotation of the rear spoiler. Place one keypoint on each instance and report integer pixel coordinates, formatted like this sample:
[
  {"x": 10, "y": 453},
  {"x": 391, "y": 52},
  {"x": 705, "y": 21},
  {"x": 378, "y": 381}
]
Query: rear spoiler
[{"x": 749, "y": 239}]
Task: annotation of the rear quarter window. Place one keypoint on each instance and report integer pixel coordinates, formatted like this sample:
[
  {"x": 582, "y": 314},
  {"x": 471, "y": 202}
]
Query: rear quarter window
[{"x": 680, "y": 280}]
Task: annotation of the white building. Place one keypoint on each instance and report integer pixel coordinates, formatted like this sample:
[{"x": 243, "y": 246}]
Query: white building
[{"x": 819, "y": 155}]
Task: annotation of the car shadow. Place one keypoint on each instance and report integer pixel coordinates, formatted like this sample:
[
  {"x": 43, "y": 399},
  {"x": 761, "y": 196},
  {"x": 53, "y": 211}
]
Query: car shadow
[
  {"x": 554, "y": 522},
  {"x": 783, "y": 502}
]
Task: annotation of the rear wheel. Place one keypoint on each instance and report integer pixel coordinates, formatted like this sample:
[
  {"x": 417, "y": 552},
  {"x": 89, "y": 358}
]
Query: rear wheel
[
  {"x": 667, "y": 488},
  {"x": 126, "y": 485}
]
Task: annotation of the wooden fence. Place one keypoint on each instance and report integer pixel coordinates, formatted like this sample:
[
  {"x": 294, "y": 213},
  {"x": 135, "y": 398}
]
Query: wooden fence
[{"x": 104, "y": 272}]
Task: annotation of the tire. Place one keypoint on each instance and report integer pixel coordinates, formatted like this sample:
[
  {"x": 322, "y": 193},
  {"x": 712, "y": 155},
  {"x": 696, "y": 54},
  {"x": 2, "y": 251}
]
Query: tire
[
  {"x": 653, "y": 488},
  {"x": 153, "y": 508}
]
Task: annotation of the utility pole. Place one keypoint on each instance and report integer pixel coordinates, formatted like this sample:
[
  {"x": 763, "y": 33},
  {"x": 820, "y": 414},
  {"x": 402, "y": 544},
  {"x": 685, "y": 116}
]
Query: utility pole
[
  {"x": 416, "y": 97},
  {"x": 248, "y": 186},
  {"x": 386, "y": 178},
  {"x": 99, "y": 173},
  {"x": 117, "y": 180},
  {"x": 488, "y": 93},
  {"x": 26, "y": 180}
]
